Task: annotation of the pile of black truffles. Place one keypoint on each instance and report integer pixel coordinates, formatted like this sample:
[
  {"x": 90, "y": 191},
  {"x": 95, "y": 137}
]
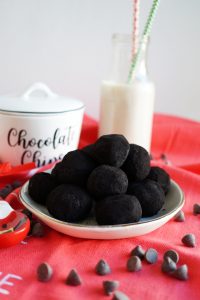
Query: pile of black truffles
[{"x": 111, "y": 179}]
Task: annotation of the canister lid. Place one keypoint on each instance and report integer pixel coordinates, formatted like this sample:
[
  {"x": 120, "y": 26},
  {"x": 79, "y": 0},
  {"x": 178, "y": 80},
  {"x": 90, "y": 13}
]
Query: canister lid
[{"x": 39, "y": 99}]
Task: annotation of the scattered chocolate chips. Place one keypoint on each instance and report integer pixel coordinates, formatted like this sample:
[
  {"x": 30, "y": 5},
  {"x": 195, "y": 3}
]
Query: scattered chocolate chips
[
  {"x": 6, "y": 190},
  {"x": 110, "y": 286},
  {"x": 172, "y": 254},
  {"x": 32, "y": 223},
  {"x": 38, "y": 230},
  {"x": 73, "y": 278},
  {"x": 181, "y": 272},
  {"x": 44, "y": 272},
  {"x": 189, "y": 240},
  {"x": 102, "y": 268},
  {"x": 134, "y": 264},
  {"x": 138, "y": 251},
  {"x": 16, "y": 184},
  {"x": 120, "y": 296},
  {"x": 196, "y": 209},
  {"x": 180, "y": 216},
  {"x": 151, "y": 256},
  {"x": 27, "y": 213},
  {"x": 168, "y": 265}
]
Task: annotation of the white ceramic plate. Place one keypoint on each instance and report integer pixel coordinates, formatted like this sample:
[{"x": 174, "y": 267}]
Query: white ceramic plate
[{"x": 174, "y": 201}]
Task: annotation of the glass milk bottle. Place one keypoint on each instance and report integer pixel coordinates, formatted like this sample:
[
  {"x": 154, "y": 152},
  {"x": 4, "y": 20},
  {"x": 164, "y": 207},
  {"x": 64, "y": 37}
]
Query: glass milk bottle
[{"x": 127, "y": 108}]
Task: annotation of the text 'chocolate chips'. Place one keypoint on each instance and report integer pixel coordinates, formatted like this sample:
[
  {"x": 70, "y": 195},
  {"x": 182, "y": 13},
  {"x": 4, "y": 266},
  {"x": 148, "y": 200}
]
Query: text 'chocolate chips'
[
  {"x": 106, "y": 180},
  {"x": 150, "y": 195},
  {"x": 111, "y": 149},
  {"x": 44, "y": 272},
  {"x": 160, "y": 176},
  {"x": 74, "y": 168},
  {"x": 40, "y": 185},
  {"x": 118, "y": 209},
  {"x": 69, "y": 203},
  {"x": 137, "y": 164}
]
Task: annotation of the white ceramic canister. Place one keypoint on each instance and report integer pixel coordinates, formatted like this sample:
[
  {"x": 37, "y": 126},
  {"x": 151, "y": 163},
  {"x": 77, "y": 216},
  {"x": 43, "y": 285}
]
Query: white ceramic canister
[{"x": 39, "y": 126}]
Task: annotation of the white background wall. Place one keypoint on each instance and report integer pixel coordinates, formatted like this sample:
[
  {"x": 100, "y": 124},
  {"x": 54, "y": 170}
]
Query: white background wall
[{"x": 66, "y": 44}]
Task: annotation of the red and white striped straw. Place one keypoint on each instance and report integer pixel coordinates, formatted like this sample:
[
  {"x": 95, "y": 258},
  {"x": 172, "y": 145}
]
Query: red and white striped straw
[{"x": 136, "y": 11}]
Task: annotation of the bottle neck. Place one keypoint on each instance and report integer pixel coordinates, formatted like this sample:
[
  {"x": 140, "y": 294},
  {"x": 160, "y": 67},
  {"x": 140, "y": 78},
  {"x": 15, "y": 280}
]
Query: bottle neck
[
  {"x": 122, "y": 57},
  {"x": 141, "y": 71}
]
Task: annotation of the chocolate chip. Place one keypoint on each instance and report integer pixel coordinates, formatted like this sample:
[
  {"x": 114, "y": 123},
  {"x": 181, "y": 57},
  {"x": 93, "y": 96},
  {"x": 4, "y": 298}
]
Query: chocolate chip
[
  {"x": 151, "y": 156},
  {"x": 168, "y": 265},
  {"x": 32, "y": 223},
  {"x": 134, "y": 264},
  {"x": 27, "y": 213},
  {"x": 4, "y": 225},
  {"x": 189, "y": 240},
  {"x": 120, "y": 296},
  {"x": 172, "y": 254},
  {"x": 181, "y": 272},
  {"x": 110, "y": 286},
  {"x": 138, "y": 251},
  {"x": 196, "y": 209},
  {"x": 73, "y": 278},
  {"x": 151, "y": 256},
  {"x": 102, "y": 268},
  {"x": 179, "y": 217},
  {"x": 5, "y": 191},
  {"x": 38, "y": 230},
  {"x": 16, "y": 184},
  {"x": 44, "y": 272}
]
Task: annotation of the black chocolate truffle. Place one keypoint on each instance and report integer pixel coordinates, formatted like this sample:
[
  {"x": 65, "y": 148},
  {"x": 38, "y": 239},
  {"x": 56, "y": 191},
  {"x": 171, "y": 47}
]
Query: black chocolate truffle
[
  {"x": 149, "y": 194},
  {"x": 40, "y": 185},
  {"x": 74, "y": 168},
  {"x": 89, "y": 150},
  {"x": 69, "y": 203},
  {"x": 106, "y": 180},
  {"x": 118, "y": 209},
  {"x": 161, "y": 176},
  {"x": 111, "y": 149},
  {"x": 137, "y": 164}
]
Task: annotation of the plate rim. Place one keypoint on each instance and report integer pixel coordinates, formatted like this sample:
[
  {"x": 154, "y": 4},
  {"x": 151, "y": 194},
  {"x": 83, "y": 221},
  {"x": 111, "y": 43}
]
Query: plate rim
[{"x": 96, "y": 226}]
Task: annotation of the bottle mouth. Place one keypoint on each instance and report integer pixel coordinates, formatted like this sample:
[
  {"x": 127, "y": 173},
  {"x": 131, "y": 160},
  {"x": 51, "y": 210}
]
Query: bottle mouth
[{"x": 121, "y": 37}]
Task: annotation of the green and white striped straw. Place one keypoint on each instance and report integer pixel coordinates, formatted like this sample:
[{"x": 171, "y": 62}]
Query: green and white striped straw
[{"x": 145, "y": 35}]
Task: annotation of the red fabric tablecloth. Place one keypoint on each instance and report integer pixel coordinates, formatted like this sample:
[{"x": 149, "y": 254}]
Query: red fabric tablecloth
[{"x": 175, "y": 147}]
